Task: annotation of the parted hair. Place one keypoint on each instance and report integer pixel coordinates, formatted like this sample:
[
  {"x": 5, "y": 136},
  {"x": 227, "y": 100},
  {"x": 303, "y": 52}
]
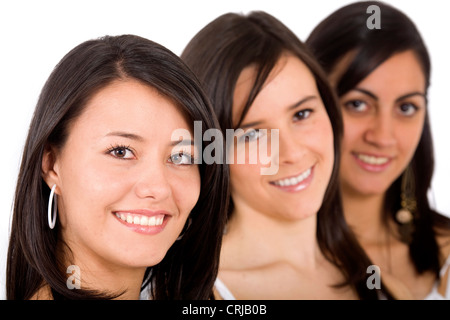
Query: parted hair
[
  {"x": 217, "y": 54},
  {"x": 189, "y": 268},
  {"x": 345, "y": 30}
]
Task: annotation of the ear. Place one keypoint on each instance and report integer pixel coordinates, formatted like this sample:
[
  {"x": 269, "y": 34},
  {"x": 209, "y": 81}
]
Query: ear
[{"x": 49, "y": 167}]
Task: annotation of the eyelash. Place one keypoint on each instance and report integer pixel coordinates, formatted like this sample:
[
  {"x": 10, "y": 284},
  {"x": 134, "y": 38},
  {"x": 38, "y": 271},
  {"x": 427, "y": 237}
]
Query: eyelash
[
  {"x": 350, "y": 105},
  {"x": 112, "y": 149},
  {"x": 247, "y": 138},
  {"x": 308, "y": 113},
  {"x": 414, "y": 107},
  {"x": 191, "y": 159}
]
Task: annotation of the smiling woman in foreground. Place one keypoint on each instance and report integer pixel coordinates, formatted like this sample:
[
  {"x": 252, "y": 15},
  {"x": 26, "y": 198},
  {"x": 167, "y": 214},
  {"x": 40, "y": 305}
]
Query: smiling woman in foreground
[{"x": 106, "y": 201}]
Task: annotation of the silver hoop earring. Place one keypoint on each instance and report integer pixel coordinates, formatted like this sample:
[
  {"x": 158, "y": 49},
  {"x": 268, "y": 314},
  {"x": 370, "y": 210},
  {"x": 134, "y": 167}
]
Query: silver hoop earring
[{"x": 52, "y": 210}]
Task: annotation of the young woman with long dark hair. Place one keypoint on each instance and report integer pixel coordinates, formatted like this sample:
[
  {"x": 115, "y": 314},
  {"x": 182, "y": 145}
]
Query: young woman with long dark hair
[
  {"x": 108, "y": 202},
  {"x": 286, "y": 236},
  {"x": 382, "y": 76}
]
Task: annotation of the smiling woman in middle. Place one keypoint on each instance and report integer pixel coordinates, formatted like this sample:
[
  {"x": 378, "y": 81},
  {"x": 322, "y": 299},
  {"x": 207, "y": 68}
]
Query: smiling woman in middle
[{"x": 286, "y": 237}]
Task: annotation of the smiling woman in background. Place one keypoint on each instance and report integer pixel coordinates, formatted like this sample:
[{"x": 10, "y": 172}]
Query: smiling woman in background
[
  {"x": 286, "y": 236},
  {"x": 382, "y": 77},
  {"x": 104, "y": 188}
]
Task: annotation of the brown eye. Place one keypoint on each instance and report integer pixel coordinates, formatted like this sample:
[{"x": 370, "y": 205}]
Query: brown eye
[
  {"x": 121, "y": 152},
  {"x": 356, "y": 106},
  {"x": 408, "y": 109},
  {"x": 302, "y": 114}
]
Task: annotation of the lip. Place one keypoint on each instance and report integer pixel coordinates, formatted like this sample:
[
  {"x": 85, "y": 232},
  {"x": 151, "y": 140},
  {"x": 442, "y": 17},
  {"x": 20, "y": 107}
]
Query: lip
[
  {"x": 143, "y": 229},
  {"x": 296, "y": 187},
  {"x": 372, "y": 167}
]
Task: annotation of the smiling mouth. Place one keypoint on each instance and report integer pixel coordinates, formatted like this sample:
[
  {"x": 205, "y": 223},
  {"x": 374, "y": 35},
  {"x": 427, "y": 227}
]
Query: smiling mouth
[
  {"x": 141, "y": 220},
  {"x": 372, "y": 160},
  {"x": 292, "y": 181}
]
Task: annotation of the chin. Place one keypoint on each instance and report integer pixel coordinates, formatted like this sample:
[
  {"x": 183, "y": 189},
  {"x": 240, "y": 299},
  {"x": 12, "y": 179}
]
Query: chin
[
  {"x": 143, "y": 260},
  {"x": 368, "y": 188},
  {"x": 302, "y": 211},
  {"x": 141, "y": 254}
]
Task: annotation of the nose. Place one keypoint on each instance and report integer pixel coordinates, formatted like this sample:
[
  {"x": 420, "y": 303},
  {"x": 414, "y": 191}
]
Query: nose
[
  {"x": 381, "y": 132},
  {"x": 289, "y": 149},
  {"x": 153, "y": 182}
]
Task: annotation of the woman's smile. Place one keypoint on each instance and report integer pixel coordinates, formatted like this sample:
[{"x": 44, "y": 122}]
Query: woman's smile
[
  {"x": 295, "y": 183},
  {"x": 383, "y": 119},
  {"x": 290, "y": 103},
  {"x": 124, "y": 177},
  {"x": 143, "y": 221},
  {"x": 372, "y": 163}
]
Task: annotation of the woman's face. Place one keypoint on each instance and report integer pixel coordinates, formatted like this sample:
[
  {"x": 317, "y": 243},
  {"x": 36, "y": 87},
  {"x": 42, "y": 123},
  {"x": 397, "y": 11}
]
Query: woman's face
[
  {"x": 125, "y": 189},
  {"x": 290, "y": 102},
  {"x": 383, "y": 121}
]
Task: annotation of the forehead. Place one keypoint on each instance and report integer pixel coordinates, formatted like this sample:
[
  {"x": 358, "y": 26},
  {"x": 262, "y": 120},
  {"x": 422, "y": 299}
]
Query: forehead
[
  {"x": 129, "y": 106},
  {"x": 289, "y": 80},
  {"x": 401, "y": 72}
]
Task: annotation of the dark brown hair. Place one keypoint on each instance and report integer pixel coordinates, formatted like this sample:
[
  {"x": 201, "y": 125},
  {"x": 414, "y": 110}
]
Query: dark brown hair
[
  {"x": 190, "y": 267},
  {"x": 345, "y": 30},
  {"x": 217, "y": 54}
]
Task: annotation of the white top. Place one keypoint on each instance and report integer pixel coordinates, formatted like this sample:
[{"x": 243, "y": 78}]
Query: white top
[
  {"x": 223, "y": 290},
  {"x": 226, "y": 294},
  {"x": 434, "y": 294}
]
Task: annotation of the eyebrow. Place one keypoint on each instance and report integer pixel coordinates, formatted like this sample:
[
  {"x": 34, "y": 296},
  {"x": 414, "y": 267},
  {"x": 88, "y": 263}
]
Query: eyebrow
[
  {"x": 408, "y": 95},
  {"x": 132, "y": 136},
  {"x": 291, "y": 107},
  {"x": 127, "y": 135},
  {"x": 184, "y": 142}
]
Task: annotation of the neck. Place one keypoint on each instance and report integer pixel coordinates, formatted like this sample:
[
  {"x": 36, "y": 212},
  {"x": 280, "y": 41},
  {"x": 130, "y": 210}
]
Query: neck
[
  {"x": 254, "y": 239},
  {"x": 363, "y": 214},
  {"x": 104, "y": 277}
]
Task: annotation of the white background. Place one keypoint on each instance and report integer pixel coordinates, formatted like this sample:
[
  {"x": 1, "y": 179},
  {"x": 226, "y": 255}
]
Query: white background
[{"x": 35, "y": 35}]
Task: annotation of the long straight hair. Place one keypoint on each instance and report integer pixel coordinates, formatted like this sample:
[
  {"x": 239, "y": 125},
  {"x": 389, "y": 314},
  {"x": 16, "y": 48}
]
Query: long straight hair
[
  {"x": 344, "y": 31},
  {"x": 189, "y": 268},
  {"x": 217, "y": 54}
]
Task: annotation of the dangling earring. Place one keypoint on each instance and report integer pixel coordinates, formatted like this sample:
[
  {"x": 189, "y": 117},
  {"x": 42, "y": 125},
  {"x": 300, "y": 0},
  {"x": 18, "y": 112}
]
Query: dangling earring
[
  {"x": 405, "y": 216},
  {"x": 186, "y": 227},
  {"x": 52, "y": 212}
]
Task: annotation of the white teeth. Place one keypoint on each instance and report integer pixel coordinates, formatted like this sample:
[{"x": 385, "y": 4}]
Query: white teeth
[
  {"x": 293, "y": 181},
  {"x": 372, "y": 160},
  {"x": 141, "y": 220},
  {"x": 130, "y": 219}
]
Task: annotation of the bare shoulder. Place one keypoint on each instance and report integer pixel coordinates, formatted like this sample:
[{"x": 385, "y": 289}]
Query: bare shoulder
[
  {"x": 443, "y": 240},
  {"x": 44, "y": 293}
]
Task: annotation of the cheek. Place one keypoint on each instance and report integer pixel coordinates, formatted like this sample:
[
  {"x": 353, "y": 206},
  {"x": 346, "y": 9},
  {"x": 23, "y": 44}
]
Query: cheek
[
  {"x": 242, "y": 173},
  {"x": 244, "y": 179},
  {"x": 244, "y": 161},
  {"x": 322, "y": 140},
  {"x": 243, "y": 153},
  {"x": 186, "y": 190},
  {"x": 353, "y": 132},
  {"x": 408, "y": 138},
  {"x": 87, "y": 189}
]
